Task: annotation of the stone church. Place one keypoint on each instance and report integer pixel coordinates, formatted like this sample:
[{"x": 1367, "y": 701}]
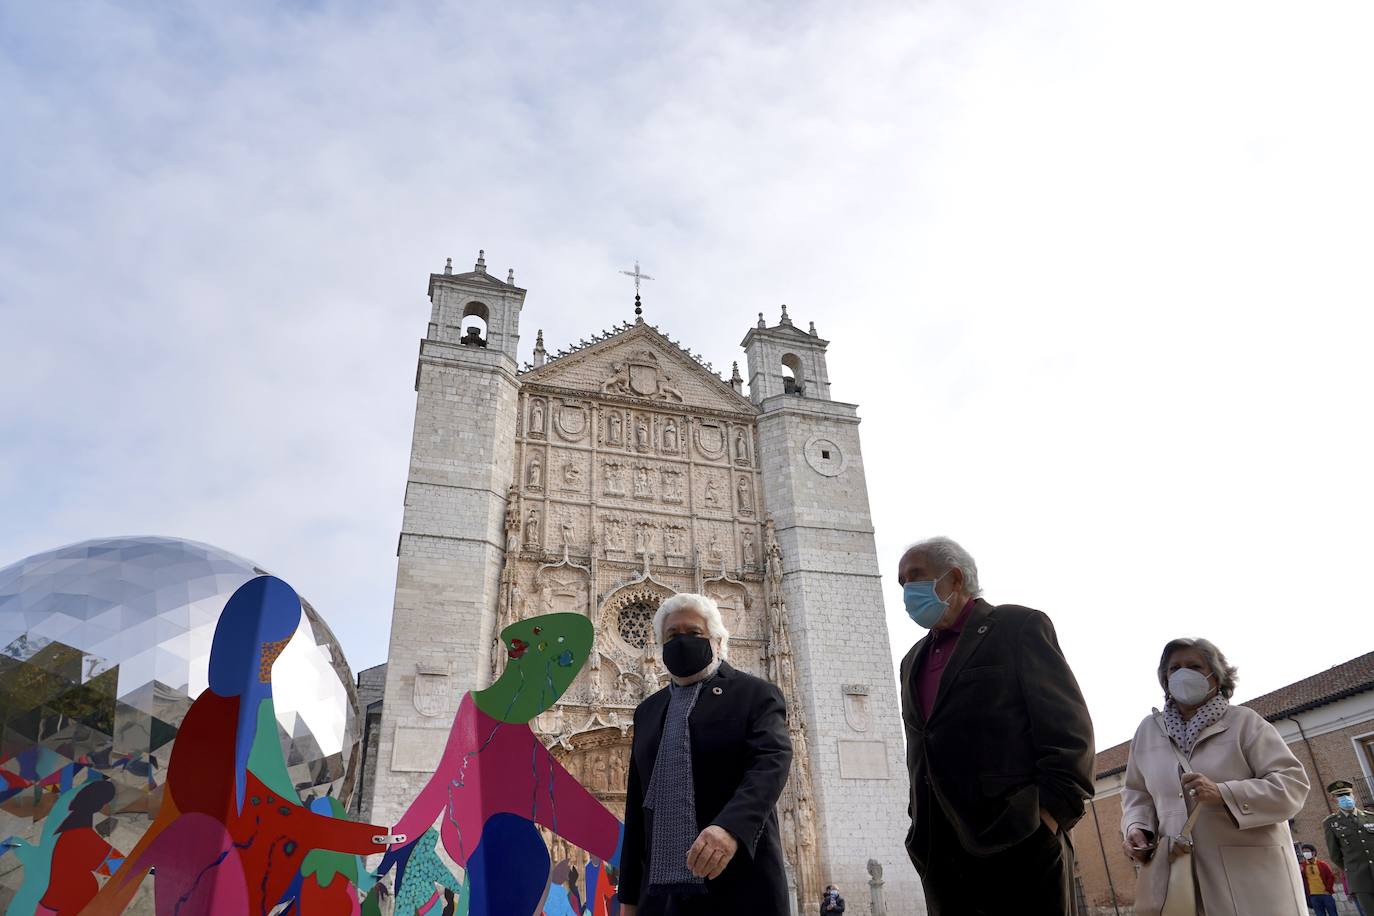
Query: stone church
[{"x": 605, "y": 478}]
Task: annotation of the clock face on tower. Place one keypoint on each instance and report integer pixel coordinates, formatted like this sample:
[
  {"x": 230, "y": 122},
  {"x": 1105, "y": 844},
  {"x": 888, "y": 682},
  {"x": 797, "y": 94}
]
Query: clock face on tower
[{"x": 824, "y": 456}]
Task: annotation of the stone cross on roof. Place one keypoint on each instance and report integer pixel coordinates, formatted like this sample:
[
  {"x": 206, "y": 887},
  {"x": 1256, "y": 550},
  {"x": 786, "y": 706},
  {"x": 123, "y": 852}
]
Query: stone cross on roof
[{"x": 638, "y": 275}]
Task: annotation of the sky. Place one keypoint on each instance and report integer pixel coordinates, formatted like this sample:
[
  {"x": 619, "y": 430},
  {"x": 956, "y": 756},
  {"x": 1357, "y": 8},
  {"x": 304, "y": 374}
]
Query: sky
[{"x": 1097, "y": 276}]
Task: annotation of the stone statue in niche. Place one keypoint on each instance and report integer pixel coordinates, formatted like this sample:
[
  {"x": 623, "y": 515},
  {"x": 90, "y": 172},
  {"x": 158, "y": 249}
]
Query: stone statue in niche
[
  {"x": 642, "y": 435},
  {"x": 517, "y": 600},
  {"x": 537, "y": 417},
  {"x": 744, "y": 504},
  {"x": 512, "y": 519},
  {"x": 670, "y": 437},
  {"x": 536, "y": 474},
  {"x": 567, "y": 532},
  {"x": 613, "y": 429},
  {"x": 747, "y": 550},
  {"x": 644, "y": 484},
  {"x": 741, "y": 449},
  {"x": 713, "y": 550},
  {"x": 615, "y": 534},
  {"x": 532, "y": 529},
  {"x": 615, "y": 479},
  {"x": 672, "y": 486},
  {"x": 712, "y": 498},
  {"x": 572, "y": 474},
  {"x": 643, "y": 537},
  {"x": 773, "y": 563}
]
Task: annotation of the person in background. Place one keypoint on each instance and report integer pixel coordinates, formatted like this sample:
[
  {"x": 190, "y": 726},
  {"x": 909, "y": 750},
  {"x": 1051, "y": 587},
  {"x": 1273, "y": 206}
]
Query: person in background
[
  {"x": 999, "y": 745},
  {"x": 1350, "y": 843},
  {"x": 1318, "y": 881},
  {"x": 708, "y": 762},
  {"x": 832, "y": 904},
  {"x": 1241, "y": 779}
]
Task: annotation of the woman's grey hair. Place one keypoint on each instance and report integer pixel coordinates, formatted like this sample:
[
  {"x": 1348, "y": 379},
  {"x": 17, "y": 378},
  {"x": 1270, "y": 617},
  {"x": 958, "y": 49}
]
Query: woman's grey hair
[
  {"x": 946, "y": 554},
  {"x": 704, "y": 606},
  {"x": 1224, "y": 671}
]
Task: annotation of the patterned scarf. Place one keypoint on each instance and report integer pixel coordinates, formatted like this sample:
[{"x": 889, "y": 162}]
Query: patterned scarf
[
  {"x": 1184, "y": 734},
  {"x": 673, "y": 800}
]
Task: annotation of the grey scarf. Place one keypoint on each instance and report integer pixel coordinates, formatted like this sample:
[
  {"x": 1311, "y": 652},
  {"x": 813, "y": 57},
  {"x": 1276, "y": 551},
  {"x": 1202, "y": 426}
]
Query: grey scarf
[
  {"x": 1185, "y": 734},
  {"x": 673, "y": 800}
]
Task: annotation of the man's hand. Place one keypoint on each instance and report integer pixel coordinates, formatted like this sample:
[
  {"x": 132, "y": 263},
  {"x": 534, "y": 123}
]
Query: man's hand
[
  {"x": 712, "y": 851},
  {"x": 1201, "y": 789},
  {"x": 1137, "y": 845},
  {"x": 1048, "y": 820}
]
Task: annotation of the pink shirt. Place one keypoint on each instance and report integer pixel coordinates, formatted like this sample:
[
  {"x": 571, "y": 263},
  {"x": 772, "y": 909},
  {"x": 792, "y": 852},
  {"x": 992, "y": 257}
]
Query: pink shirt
[{"x": 942, "y": 642}]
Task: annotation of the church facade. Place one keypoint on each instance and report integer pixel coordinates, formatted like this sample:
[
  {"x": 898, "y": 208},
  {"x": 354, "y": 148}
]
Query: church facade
[{"x": 604, "y": 479}]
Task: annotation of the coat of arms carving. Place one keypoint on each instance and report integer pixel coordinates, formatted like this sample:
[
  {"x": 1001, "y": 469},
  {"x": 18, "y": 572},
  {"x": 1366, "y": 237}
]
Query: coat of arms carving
[{"x": 430, "y": 695}]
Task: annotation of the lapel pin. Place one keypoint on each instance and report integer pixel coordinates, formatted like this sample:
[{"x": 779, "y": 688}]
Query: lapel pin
[
  {"x": 717, "y": 691},
  {"x": 983, "y": 629}
]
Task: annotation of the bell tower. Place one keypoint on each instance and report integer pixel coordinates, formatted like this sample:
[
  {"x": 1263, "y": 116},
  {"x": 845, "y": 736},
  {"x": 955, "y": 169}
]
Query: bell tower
[
  {"x": 452, "y": 539},
  {"x": 814, "y": 486}
]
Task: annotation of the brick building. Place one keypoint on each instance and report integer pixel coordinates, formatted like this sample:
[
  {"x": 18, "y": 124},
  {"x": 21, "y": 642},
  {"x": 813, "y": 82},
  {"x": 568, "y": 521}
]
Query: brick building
[{"x": 1328, "y": 721}]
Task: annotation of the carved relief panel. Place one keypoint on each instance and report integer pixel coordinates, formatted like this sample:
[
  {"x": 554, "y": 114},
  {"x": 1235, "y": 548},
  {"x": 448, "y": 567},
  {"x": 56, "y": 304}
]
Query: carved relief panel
[
  {"x": 570, "y": 471},
  {"x": 713, "y": 492}
]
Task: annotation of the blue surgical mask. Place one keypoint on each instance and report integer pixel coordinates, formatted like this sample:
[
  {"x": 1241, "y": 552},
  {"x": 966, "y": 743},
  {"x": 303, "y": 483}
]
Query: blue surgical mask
[
  {"x": 1346, "y": 802},
  {"x": 923, "y": 605}
]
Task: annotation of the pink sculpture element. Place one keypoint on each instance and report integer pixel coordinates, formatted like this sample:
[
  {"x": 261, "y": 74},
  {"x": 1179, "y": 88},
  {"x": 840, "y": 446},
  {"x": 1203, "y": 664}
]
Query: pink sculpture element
[{"x": 493, "y": 767}]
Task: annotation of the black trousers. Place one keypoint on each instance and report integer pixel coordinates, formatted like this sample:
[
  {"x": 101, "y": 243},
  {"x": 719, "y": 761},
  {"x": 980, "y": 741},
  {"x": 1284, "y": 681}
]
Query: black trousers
[{"x": 1032, "y": 878}]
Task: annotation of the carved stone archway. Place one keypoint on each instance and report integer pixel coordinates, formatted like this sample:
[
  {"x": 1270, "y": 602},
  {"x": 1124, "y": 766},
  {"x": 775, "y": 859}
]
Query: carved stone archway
[{"x": 600, "y": 761}]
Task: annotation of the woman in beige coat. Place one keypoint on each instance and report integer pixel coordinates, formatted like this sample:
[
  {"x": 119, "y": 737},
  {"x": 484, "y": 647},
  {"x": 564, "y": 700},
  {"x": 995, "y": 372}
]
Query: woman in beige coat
[{"x": 1242, "y": 776}]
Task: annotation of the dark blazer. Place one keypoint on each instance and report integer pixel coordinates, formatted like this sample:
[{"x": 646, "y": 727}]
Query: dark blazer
[
  {"x": 741, "y": 756},
  {"x": 1008, "y": 734}
]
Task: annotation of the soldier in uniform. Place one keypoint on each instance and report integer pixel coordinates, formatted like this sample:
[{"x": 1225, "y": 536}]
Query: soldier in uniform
[{"x": 1350, "y": 843}]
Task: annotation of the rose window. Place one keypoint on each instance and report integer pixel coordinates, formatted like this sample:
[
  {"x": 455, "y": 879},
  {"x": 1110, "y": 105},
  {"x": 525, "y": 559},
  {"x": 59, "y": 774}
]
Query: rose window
[{"x": 636, "y": 624}]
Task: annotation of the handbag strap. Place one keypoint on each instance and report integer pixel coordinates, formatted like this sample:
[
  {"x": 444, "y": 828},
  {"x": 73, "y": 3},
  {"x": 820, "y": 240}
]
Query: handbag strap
[{"x": 1187, "y": 766}]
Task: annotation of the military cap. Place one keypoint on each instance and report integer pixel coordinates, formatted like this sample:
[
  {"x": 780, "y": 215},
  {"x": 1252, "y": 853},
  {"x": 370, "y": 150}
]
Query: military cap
[{"x": 1341, "y": 787}]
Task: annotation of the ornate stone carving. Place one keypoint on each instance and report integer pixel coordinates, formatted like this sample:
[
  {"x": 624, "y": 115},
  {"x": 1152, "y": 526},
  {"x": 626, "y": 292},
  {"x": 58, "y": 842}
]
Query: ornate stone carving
[
  {"x": 710, "y": 439},
  {"x": 572, "y": 475},
  {"x": 537, "y": 418},
  {"x": 641, "y": 434},
  {"x": 644, "y": 483},
  {"x": 532, "y": 529},
  {"x": 512, "y": 519},
  {"x": 877, "y": 906},
  {"x": 613, "y": 530},
  {"x": 614, "y": 478},
  {"x": 741, "y": 447},
  {"x": 570, "y": 419},
  {"x": 744, "y": 499},
  {"x": 711, "y": 498},
  {"x": 641, "y": 377},
  {"x": 670, "y": 445},
  {"x": 748, "y": 558},
  {"x": 568, "y": 531},
  {"x": 613, "y": 423},
  {"x": 672, "y": 485},
  {"x": 534, "y": 478},
  {"x": 675, "y": 541}
]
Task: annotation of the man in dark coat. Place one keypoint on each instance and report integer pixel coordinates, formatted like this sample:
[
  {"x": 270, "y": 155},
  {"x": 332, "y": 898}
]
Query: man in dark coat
[
  {"x": 709, "y": 759},
  {"x": 999, "y": 745}
]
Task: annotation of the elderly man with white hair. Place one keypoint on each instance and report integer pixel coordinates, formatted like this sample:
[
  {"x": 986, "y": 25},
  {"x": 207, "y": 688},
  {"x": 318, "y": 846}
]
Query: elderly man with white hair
[
  {"x": 999, "y": 745},
  {"x": 708, "y": 763}
]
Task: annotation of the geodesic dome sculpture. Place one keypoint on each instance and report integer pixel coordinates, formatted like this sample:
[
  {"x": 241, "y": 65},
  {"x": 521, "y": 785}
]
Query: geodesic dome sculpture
[{"x": 103, "y": 646}]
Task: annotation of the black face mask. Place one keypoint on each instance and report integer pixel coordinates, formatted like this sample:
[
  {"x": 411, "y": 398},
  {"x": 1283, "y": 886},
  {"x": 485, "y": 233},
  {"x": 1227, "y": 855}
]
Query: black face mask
[{"x": 685, "y": 656}]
